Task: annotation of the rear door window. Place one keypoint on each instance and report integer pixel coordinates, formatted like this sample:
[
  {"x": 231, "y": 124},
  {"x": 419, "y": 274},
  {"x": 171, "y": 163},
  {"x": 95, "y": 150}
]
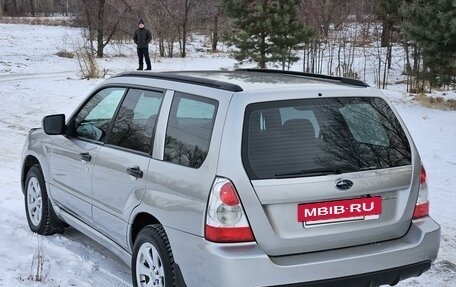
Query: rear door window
[
  {"x": 135, "y": 121},
  {"x": 314, "y": 137},
  {"x": 189, "y": 129}
]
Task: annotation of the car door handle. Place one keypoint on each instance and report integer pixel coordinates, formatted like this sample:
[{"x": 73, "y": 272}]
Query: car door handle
[
  {"x": 135, "y": 171},
  {"x": 85, "y": 157}
]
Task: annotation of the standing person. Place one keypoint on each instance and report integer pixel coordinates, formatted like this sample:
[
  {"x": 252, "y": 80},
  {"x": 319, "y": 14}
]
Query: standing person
[{"x": 142, "y": 38}]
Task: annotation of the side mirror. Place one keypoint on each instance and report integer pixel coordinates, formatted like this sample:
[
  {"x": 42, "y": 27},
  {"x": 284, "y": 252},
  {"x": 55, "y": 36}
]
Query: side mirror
[{"x": 54, "y": 124}]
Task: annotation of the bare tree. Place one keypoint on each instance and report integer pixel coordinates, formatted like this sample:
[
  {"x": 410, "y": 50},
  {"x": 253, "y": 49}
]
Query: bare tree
[
  {"x": 103, "y": 17},
  {"x": 11, "y": 7},
  {"x": 37, "y": 7},
  {"x": 207, "y": 16},
  {"x": 32, "y": 7},
  {"x": 323, "y": 16},
  {"x": 100, "y": 27},
  {"x": 181, "y": 12},
  {"x": 3, "y": 7},
  {"x": 215, "y": 33}
]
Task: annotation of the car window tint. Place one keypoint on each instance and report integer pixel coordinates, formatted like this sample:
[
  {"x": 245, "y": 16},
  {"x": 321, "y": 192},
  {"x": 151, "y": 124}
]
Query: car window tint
[
  {"x": 291, "y": 113},
  {"x": 135, "y": 122},
  {"x": 189, "y": 130},
  {"x": 310, "y": 137},
  {"x": 147, "y": 105},
  {"x": 93, "y": 119}
]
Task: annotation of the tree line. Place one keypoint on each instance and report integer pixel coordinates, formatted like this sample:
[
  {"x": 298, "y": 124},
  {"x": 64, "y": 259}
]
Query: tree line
[{"x": 324, "y": 34}]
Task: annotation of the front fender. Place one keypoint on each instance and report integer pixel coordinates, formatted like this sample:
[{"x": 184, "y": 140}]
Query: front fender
[{"x": 37, "y": 150}]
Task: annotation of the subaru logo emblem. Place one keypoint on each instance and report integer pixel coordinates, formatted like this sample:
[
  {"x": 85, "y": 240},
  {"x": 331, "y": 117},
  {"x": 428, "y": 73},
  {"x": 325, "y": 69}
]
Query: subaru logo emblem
[{"x": 344, "y": 184}]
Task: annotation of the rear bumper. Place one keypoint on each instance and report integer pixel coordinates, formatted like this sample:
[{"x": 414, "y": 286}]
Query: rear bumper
[
  {"x": 390, "y": 276},
  {"x": 247, "y": 265}
]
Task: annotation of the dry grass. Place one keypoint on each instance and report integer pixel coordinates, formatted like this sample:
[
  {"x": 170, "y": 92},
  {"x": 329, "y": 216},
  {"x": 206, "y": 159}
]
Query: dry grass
[
  {"x": 48, "y": 21},
  {"x": 451, "y": 104},
  {"x": 65, "y": 54},
  {"x": 435, "y": 102},
  {"x": 36, "y": 269},
  {"x": 88, "y": 65}
]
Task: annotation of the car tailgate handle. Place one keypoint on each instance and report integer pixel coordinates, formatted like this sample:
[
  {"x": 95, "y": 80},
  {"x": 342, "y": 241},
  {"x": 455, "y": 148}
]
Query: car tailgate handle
[
  {"x": 85, "y": 157},
  {"x": 135, "y": 171}
]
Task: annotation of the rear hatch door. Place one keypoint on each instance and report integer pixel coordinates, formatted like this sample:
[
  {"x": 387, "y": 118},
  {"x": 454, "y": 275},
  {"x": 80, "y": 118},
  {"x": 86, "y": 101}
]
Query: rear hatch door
[{"x": 328, "y": 173}]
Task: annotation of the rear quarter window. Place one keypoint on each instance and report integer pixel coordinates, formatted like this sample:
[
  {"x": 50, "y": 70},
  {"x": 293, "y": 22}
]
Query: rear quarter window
[{"x": 189, "y": 130}]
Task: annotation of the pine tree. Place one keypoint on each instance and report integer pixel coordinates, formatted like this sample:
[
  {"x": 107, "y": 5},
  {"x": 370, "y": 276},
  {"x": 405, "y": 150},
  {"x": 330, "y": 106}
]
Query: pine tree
[
  {"x": 251, "y": 29},
  {"x": 288, "y": 33},
  {"x": 432, "y": 25},
  {"x": 265, "y": 30}
]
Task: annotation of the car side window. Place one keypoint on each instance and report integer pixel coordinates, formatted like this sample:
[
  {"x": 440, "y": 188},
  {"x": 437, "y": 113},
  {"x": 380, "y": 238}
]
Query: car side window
[
  {"x": 189, "y": 129},
  {"x": 135, "y": 122},
  {"x": 93, "y": 119}
]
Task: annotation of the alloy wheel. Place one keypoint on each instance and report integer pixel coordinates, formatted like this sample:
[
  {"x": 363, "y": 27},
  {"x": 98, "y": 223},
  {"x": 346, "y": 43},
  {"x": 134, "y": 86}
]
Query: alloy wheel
[
  {"x": 34, "y": 201},
  {"x": 149, "y": 267}
]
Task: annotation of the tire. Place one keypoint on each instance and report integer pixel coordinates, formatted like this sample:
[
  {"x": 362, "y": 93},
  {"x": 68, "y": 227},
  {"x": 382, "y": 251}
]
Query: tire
[
  {"x": 40, "y": 215},
  {"x": 152, "y": 260}
]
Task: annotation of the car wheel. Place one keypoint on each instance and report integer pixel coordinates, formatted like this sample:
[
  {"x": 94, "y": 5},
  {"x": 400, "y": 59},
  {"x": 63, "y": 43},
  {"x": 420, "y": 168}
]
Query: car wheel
[
  {"x": 40, "y": 215},
  {"x": 152, "y": 261}
]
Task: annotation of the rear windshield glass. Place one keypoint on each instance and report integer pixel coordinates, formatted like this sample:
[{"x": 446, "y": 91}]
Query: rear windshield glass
[{"x": 312, "y": 137}]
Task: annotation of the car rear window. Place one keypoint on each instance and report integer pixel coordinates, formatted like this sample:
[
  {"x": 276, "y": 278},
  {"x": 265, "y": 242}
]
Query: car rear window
[{"x": 311, "y": 137}]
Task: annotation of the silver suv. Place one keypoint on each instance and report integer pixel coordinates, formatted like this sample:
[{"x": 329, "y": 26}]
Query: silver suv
[{"x": 241, "y": 178}]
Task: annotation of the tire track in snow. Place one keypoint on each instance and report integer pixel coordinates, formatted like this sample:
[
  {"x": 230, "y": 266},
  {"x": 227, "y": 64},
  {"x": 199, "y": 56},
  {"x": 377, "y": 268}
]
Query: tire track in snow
[
  {"x": 32, "y": 76},
  {"x": 100, "y": 277}
]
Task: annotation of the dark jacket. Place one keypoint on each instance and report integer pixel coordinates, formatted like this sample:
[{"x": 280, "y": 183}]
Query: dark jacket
[{"x": 142, "y": 37}]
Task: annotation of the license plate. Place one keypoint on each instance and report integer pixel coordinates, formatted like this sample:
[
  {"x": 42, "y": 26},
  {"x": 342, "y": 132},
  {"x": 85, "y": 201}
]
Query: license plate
[{"x": 348, "y": 209}]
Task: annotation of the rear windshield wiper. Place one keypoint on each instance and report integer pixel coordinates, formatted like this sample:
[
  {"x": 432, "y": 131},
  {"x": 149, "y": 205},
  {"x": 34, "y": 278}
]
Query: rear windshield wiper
[{"x": 308, "y": 172}]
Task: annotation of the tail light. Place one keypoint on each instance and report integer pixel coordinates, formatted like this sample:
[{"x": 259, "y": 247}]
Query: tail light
[
  {"x": 422, "y": 203},
  {"x": 225, "y": 218}
]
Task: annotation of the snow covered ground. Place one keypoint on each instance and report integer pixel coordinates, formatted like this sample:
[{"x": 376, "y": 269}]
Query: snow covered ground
[{"x": 34, "y": 82}]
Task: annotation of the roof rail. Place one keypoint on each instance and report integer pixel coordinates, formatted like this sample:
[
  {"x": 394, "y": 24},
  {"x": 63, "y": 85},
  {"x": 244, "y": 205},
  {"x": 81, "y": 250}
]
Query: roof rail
[
  {"x": 342, "y": 80},
  {"x": 184, "y": 79}
]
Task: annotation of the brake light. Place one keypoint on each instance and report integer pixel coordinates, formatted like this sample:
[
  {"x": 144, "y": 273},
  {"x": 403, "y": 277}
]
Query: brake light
[
  {"x": 423, "y": 175},
  {"x": 422, "y": 203},
  {"x": 421, "y": 210},
  {"x": 228, "y": 195},
  {"x": 226, "y": 221}
]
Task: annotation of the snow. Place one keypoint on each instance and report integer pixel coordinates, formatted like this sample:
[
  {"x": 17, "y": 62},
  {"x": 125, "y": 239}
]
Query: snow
[{"x": 34, "y": 82}]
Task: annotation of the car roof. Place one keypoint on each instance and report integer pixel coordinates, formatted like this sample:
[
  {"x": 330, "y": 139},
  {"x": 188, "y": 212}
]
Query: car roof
[{"x": 250, "y": 79}]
